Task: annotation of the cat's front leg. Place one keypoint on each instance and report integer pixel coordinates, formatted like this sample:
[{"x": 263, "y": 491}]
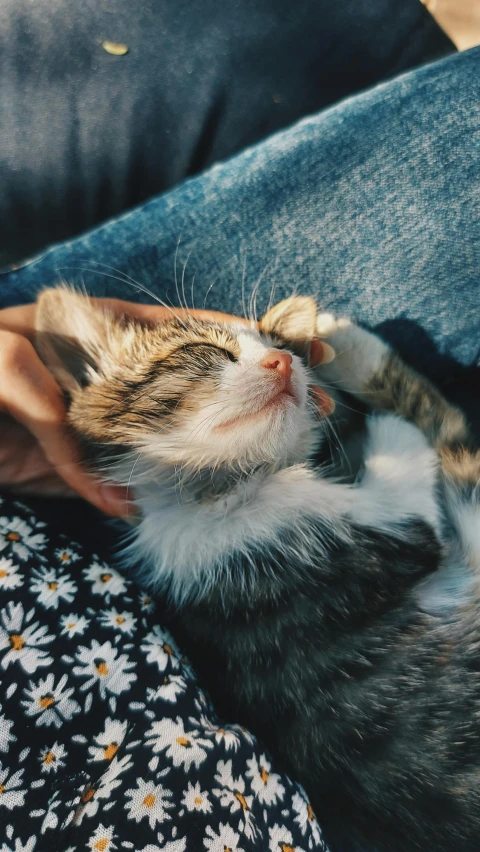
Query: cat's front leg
[
  {"x": 400, "y": 477},
  {"x": 359, "y": 354},
  {"x": 368, "y": 368}
]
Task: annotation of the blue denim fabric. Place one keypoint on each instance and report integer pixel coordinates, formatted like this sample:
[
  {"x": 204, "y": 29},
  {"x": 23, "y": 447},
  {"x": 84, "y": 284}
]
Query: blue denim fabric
[{"x": 372, "y": 206}]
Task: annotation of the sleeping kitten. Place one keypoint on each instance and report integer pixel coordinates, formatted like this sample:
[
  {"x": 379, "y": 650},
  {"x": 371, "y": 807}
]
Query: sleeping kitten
[{"x": 338, "y": 620}]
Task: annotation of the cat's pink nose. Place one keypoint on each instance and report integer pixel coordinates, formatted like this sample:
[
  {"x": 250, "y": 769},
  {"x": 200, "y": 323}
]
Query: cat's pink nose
[{"x": 279, "y": 361}]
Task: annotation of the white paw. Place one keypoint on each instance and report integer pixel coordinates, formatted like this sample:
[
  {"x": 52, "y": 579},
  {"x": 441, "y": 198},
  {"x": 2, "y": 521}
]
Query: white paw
[
  {"x": 328, "y": 324},
  {"x": 358, "y": 353}
]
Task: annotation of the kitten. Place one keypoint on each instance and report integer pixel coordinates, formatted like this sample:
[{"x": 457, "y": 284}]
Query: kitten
[{"x": 338, "y": 620}]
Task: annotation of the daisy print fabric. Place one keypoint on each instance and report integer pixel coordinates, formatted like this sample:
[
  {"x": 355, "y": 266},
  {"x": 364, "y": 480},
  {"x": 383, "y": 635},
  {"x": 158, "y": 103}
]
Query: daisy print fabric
[{"x": 107, "y": 742}]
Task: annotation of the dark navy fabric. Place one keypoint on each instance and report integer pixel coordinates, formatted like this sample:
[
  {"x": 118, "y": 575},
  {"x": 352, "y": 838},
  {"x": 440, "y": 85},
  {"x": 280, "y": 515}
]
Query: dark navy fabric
[{"x": 85, "y": 134}]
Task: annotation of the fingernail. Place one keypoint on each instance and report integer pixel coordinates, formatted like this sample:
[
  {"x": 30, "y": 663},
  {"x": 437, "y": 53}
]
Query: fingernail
[
  {"x": 328, "y": 353},
  {"x": 320, "y": 353}
]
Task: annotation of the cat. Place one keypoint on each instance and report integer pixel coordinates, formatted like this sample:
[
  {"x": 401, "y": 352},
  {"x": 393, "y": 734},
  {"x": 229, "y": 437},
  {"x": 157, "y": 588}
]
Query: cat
[{"x": 338, "y": 620}]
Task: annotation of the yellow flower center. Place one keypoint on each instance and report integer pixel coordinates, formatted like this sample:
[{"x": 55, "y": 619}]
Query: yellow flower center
[
  {"x": 13, "y": 536},
  {"x": 168, "y": 650},
  {"x": 242, "y": 801},
  {"x": 110, "y": 751},
  {"x": 46, "y": 701},
  {"x": 65, "y": 557},
  {"x": 49, "y": 758},
  {"x": 310, "y": 812},
  {"x": 146, "y": 601},
  {"x": 88, "y": 795},
  {"x": 3, "y": 573},
  {"x": 71, "y": 625},
  {"x": 53, "y": 586},
  {"x": 264, "y": 775},
  {"x": 102, "y": 668},
  {"x": 149, "y": 801},
  {"x": 17, "y": 642},
  {"x": 197, "y": 800},
  {"x": 285, "y": 848},
  {"x": 120, "y": 619},
  {"x": 105, "y": 578},
  {"x": 102, "y": 844},
  {"x": 183, "y": 741},
  {"x": 2, "y": 789}
]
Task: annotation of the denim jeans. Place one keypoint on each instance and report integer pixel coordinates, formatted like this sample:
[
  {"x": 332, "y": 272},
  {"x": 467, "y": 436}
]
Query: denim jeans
[{"x": 372, "y": 206}]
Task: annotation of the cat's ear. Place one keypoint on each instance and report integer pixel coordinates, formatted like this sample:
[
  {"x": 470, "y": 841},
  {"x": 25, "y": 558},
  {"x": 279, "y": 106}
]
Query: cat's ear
[
  {"x": 292, "y": 320},
  {"x": 72, "y": 337}
]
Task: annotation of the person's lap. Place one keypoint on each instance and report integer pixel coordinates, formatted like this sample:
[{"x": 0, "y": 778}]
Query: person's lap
[{"x": 371, "y": 206}]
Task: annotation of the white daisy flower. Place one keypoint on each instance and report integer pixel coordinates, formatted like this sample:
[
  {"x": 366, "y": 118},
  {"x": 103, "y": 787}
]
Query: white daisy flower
[
  {"x": 5, "y": 736},
  {"x": 21, "y": 537},
  {"x": 228, "y": 737},
  {"x": 102, "y": 839},
  {"x": 183, "y": 749},
  {"x": 50, "y": 820},
  {"x": 29, "y": 846},
  {"x": 52, "y": 758},
  {"x": 123, "y": 621},
  {"x": 170, "y": 846},
  {"x": 171, "y": 687},
  {"x": 51, "y": 704},
  {"x": 265, "y": 784},
  {"x": 22, "y": 639},
  {"x": 146, "y": 602},
  {"x": 149, "y": 800},
  {"x": 232, "y": 790},
  {"x": 160, "y": 648},
  {"x": 306, "y": 818},
  {"x": 226, "y": 838},
  {"x": 51, "y": 588},
  {"x": 108, "y": 742},
  {"x": 74, "y": 625},
  {"x": 195, "y": 799},
  {"x": 9, "y": 576},
  {"x": 281, "y": 840},
  {"x": 102, "y": 665},
  {"x": 103, "y": 788},
  {"x": 66, "y": 555},
  {"x": 106, "y": 581},
  {"x": 10, "y": 796}
]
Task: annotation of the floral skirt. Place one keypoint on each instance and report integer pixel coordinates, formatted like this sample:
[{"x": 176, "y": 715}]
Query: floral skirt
[{"x": 106, "y": 740}]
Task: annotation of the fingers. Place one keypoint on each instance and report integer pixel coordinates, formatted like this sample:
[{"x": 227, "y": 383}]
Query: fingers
[
  {"x": 159, "y": 313},
  {"x": 30, "y": 394},
  {"x": 323, "y": 402}
]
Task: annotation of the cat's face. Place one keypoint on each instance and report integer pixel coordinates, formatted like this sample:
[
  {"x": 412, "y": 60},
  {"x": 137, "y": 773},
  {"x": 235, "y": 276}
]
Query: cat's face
[{"x": 186, "y": 393}]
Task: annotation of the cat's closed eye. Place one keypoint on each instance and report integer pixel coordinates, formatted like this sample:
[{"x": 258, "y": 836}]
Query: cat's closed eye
[{"x": 226, "y": 353}]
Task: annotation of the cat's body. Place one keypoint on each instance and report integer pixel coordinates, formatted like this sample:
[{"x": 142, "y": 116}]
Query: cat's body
[{"x": 339, "y": 621}]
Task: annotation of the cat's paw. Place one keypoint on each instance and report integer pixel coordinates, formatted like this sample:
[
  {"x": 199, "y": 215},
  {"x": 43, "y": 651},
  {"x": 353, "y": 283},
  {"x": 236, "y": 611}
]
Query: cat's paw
[
  {"x": 358, "y": 353},
  {"x": 327, "y": 324}
]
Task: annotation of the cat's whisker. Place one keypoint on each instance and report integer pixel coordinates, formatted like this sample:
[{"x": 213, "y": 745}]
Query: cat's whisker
[
  {"x": 135, "y": 285},
  {"x": 183, "y": 279},
  {"x": 244, "y": 307}
]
